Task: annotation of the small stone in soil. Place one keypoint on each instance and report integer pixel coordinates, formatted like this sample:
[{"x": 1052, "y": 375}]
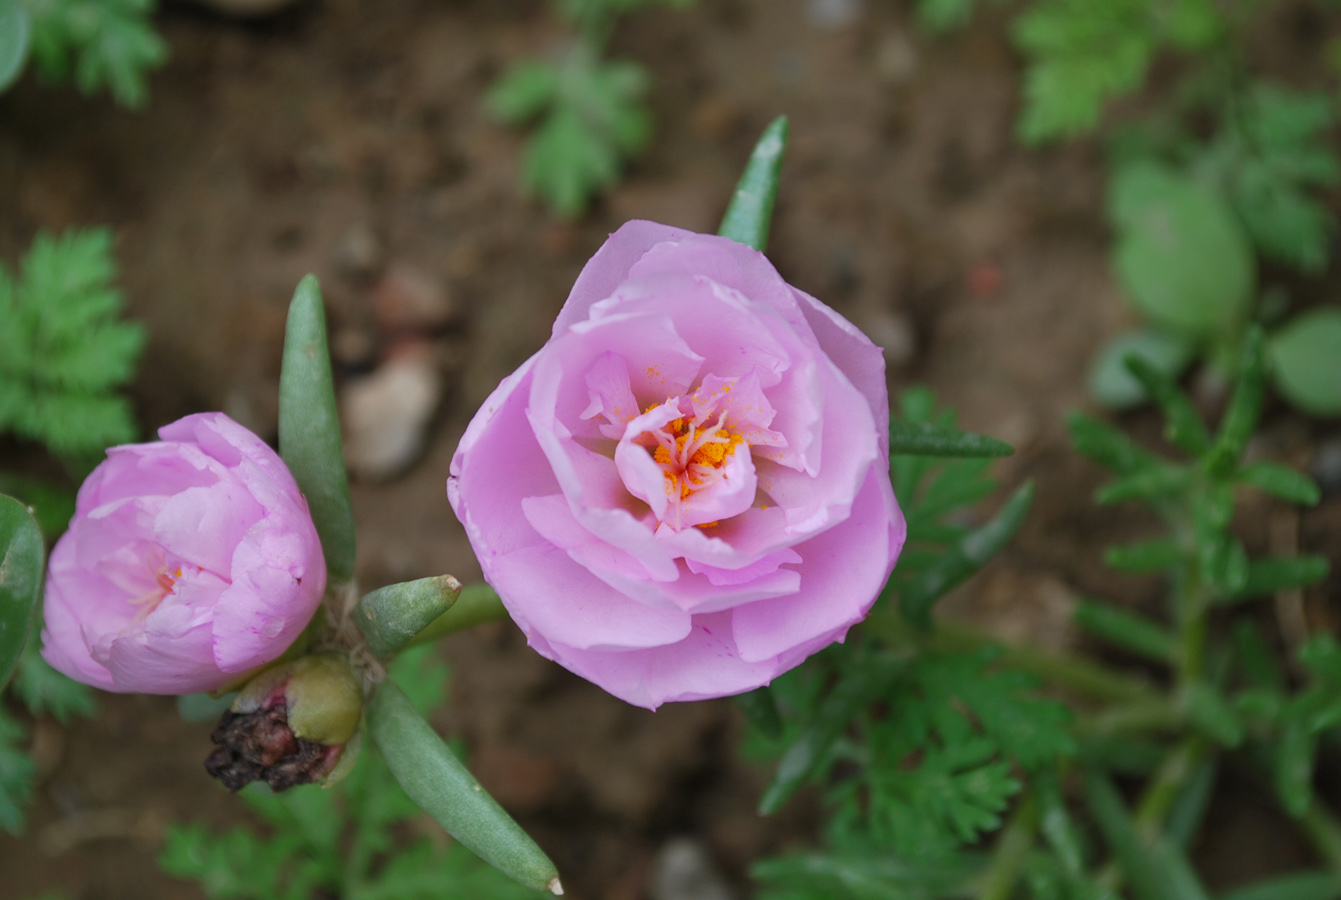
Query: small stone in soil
[
  {"x": 387, "y": 413},
  {"x": 683, "y": 870}
]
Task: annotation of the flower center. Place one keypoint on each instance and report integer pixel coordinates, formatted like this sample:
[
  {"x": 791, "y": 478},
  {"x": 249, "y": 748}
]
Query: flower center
[
  {"x": 148, "y": 602},
  {"x": 691, "y": 456}
]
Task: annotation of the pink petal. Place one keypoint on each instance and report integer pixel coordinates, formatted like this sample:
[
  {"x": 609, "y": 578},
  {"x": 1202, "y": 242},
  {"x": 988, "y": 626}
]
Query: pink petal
[
  {"x": 609, "y": 267},
  {"x": 168, "y": 654},
  {"x": 842, "y": 572},
  {"x": 702, "y": 665},
  {"x": 852, "y": 351},
  {"x": 547, "y": 592},
  {"x": 203, "y": 525}
]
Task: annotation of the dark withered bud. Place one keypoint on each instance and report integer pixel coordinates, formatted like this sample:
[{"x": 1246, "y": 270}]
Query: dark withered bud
[{"x": 292, "y": 724}]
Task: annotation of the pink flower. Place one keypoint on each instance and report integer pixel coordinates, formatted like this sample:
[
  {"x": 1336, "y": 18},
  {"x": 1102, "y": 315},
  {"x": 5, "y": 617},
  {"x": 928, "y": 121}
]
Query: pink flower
[
  {"x": 685, "y": 492},
  {"x": 189, "y": 562}
]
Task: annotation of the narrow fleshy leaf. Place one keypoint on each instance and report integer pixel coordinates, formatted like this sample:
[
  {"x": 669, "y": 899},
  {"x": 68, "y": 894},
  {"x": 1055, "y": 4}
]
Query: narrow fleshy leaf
[
  {"x": 476, "y": 604},
  {"x": 436, "y": 780},
  {"x": 1057, "y": 825},
  {"x": 960, "y": 561},
  {"x": 15, "y": 37},
  {"x": 1144, "y": 557},
  {"x": 1183, "y": 426},
  {"x": 1106, "y": 445},
  {"x": 389, "y": 617},
  {"x": 803, "y": 759},
  {"x": 1127, "y": 630},
  {"x": 1159, "y": 871},
  {"x": 1281, "y": 481},
  {"x": 1209, "y": 712},
  {"x": 309, "y": 429},
  {"x": 21, "y": 559},
  {"x": 1110, "y": 381},
  {"x": 1245, "y": 408},
  {"x": 750, "y": 214},
  {"x": 1188, "y": 812},
  {"x": 1282, "y": 573},
  {"x": 924, "y": 439}
]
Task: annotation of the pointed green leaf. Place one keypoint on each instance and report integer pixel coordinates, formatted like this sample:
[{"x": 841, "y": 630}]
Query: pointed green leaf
[
  {"x": 1127, "y": 630},
  {"x": 750, "y": 214},
  {"x": 389, "y": 617},
  {"x": 1212, "y": 715},
  {"x": 21, "y": 558},
  {"x": 925, "y": 439},
  {"x": 1145, "y": 557},
  {"x": 761, "y": 708},
  {"x": 1306, "y": 363},
  {"x": 1112, "y": 383},
  {"x": 476, "y": 604},
  {"x": 1282, "y": 573},
  {"x": 1156, "y": 480},
  {"x": 435, "y": 780},
  {"x": 1281, "y": 481},
  {"x": 1183, "y": 426},
  {"x": 967, "y": 556},
  {"x": 1245, "y": 408},
  {"x": 1296, "y": 750},
  {"x": 1188, "y": 812},
  {"x": 15, "y": 36},
  {"x": 1106, "y": 445},
  {"x": 1159, "y": 871},
  {"x": 309, "y": 429}
]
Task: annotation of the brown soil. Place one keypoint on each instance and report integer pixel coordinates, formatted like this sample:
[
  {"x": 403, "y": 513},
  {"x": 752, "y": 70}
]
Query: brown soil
[{"x": 906, "y": 204}]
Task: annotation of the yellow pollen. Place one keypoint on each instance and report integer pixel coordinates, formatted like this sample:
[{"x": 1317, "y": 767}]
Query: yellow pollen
[{"x": 713, "y": 454}]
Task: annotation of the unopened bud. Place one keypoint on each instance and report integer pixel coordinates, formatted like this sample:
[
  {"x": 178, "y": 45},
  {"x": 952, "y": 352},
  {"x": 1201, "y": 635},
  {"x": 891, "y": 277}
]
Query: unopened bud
[{"x": 288, "y": 725}]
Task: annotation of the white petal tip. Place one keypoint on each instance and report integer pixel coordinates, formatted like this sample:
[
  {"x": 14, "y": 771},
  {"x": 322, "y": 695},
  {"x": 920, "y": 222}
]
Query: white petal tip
[{"x": 554, "y": 886}]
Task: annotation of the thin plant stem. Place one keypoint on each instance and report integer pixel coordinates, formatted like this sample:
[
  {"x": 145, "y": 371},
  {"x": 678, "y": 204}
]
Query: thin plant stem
[{"x": 1011, "y": 851}]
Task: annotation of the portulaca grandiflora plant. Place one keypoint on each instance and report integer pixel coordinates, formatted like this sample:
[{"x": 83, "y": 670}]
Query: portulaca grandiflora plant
[{"x": 688, "y": 493}]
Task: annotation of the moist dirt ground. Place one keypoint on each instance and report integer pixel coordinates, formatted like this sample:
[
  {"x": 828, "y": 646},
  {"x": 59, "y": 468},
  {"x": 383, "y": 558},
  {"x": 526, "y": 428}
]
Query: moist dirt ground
[{"x": 348, "y": 138}]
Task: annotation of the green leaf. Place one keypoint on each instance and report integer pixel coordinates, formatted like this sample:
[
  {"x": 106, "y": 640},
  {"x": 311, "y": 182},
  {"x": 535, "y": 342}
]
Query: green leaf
[
  {"x": 16, "y": 774},
  {"x": 523, "y": 92},
  {"x": 926, "y": 439},
  {"x": 1182, "y": 424},
  {"x": 63, "y": 351},
  {"x": 761, "y": 709},
  {"x": 15, "y": 35},
  {"x": 1145, "y": 557},
  {"x": 389, "y": 617},
  {"x": 1295, "y": 886},
  {"x": 1106, "y": 445},
  {"x": 1282, "y": 482},
  {"x": 476, "y": 604},
  {"x": 1245, "y": 408},
  {"x": 21, "y": 558},
  {"x": 309, "y": 428},
  {"x": 1127, "y": 630},
  {"x": 1080, "y": 55},
  {"x": 1157, "y": 872},
  {"x": 1267, "y": 576},
  {"x": 101, "y": 43},
  {"x": 1296, "y": 749},
  {"x": 592, "y": 117},
  {"x": 1188, "y": 812},
  {"x": 1210, "y": 713},
  {"x": 1181, "y": 255},
  {"x": 1273, "y": 153},
  {"x": 872, "y": 875},
  {"x": 1113, "y": 384},
  {"x": 811, "y": 752},
  {"x": 45, "y": 691},
  {"x": 1155, "y": 481},
  {"x": 435, "y": 780},
  {"x": 1306, "y": 364},
  {"x": 966, "y": 557},
  {"x": 750, "y": 214}
]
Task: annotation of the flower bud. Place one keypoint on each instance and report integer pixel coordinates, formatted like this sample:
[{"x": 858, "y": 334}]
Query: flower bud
[{"x": 289, "y": 725}]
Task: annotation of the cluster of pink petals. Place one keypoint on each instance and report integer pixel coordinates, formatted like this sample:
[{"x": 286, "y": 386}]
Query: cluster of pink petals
[
  {"x": 685, "y": 492},
  {"x": 189, "y": 561}
]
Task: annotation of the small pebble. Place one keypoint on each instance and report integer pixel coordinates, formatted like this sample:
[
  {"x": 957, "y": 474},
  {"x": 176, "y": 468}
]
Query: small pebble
[
  {"x": 386, "y": 414},
  {"x": 683, "y": 870},
  {"x": 834, "y": 13}
]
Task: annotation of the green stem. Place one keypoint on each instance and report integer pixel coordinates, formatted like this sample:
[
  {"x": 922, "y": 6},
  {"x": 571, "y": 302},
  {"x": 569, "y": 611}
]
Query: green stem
[{"x": 1012, "y": 849}]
